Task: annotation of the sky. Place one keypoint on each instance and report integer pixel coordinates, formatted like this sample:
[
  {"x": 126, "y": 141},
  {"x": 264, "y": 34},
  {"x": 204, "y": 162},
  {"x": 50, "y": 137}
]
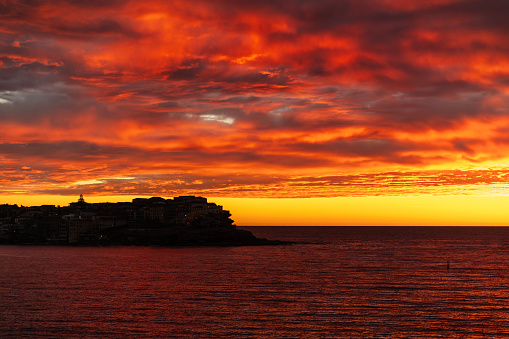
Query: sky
[{"x": 372, "y": 112}]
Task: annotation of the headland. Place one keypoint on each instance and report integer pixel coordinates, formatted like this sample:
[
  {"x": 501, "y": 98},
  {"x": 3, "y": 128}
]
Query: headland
[{"x": 180, "y": 221}]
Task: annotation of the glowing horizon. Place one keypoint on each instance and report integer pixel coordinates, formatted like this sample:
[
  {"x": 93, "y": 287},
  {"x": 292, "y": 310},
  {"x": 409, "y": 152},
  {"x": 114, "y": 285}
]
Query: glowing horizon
[{"x": 348, "y": 100}]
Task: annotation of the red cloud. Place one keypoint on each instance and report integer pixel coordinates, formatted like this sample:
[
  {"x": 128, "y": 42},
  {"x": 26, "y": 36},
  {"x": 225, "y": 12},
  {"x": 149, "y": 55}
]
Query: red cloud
[{"x": 272, "y": 88}]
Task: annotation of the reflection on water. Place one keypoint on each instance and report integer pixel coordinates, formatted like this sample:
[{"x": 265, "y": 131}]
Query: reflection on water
[{"x": 345, "y": 282}]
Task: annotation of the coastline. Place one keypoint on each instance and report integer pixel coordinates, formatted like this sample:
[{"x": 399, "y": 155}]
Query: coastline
[
  {"x": 156, "y": 221},
  {"x": 163, "y": 237}
]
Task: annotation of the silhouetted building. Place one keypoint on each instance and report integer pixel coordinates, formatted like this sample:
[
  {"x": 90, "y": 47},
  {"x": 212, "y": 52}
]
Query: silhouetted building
[
  {"x": 80, "y": 203},
  {"x": 82, "y": 222}
]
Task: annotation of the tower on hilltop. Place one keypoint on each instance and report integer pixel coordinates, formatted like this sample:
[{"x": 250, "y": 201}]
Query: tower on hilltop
[{"x": 81, "y": 200}]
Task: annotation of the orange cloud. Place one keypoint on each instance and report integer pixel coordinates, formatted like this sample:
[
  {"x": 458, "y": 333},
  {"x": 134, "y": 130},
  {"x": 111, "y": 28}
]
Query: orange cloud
[{"x": 272, "y": 98}]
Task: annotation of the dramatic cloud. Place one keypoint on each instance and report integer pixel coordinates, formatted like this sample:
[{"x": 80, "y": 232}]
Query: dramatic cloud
[{"x": 240, "y": 98}]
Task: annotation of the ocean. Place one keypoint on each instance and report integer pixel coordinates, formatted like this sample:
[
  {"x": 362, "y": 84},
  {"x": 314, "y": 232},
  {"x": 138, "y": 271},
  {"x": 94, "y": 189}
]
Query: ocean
[{"x": 337, "y": 282}]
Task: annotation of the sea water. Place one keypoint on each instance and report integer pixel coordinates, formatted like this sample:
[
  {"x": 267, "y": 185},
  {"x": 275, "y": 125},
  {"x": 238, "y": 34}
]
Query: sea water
[{"x": 336, "y": 282}]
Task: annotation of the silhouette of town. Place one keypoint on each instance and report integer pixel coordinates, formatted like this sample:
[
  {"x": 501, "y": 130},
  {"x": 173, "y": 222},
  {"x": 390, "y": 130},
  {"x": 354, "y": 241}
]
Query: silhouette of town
[{"x": 183, "y": 220}]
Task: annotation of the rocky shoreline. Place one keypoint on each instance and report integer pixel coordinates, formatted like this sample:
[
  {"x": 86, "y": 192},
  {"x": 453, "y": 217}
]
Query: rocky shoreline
[
  {"x": 184, "y": 238},
  {"x": 164, "y": 237}
]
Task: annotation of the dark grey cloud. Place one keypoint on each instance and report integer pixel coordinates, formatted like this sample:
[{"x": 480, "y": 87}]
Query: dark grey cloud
[
  {"x": 167, "y": 104},
  {"x": 243, "y": 99},
  {"x": 220, "y": 72}
]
